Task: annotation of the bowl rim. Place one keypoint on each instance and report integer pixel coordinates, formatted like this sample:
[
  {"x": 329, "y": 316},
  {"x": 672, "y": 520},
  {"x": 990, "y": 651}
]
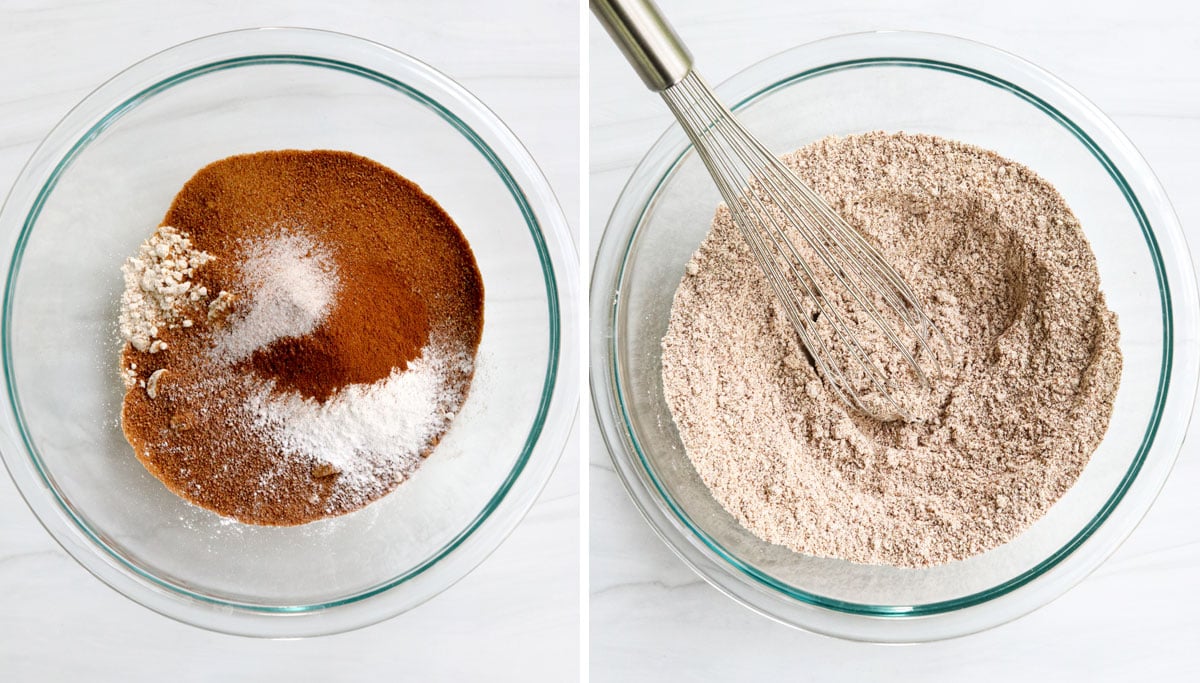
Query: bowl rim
[
  {"x": 1064, "y": 568},
  {"x": 551, "y": 237}
]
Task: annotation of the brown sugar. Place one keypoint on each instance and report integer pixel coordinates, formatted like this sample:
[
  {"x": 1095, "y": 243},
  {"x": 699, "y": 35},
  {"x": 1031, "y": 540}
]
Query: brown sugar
[{"x": 366, "y": 349}]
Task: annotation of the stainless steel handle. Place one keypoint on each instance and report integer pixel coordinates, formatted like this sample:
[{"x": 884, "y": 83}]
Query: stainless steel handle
[{"x": 646, "y": 39}]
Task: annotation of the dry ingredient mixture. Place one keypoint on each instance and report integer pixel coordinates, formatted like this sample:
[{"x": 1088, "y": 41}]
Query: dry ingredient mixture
[
  {"x": 300, "y": 333},
  {"x": 1004, "y": 271}
]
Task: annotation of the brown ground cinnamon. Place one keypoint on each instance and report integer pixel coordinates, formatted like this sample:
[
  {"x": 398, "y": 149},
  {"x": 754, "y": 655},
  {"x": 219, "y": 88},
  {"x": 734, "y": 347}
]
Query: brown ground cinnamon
[{"x": 407, "y": 282}]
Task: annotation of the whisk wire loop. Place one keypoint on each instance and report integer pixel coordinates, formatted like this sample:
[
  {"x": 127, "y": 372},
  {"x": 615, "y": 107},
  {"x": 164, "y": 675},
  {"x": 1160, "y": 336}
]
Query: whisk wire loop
[{"x": 770, "y": 204}]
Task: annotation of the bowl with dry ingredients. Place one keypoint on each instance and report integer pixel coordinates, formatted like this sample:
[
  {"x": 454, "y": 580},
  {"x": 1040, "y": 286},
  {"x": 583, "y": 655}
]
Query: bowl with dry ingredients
[
  {"x": 286, "y": 330},
  {"x": 1044, "y": 250}
]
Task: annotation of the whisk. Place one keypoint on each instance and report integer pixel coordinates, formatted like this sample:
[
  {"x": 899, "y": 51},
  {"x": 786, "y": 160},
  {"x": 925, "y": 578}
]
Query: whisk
[{"x": 818, "y": 266}]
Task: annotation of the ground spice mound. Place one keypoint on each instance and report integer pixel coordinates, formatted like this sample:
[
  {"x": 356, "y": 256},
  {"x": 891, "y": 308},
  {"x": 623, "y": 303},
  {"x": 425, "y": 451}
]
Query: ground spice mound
[
  {"x": 1006, "y": 274},
  {"x": 323, "y": 314}
]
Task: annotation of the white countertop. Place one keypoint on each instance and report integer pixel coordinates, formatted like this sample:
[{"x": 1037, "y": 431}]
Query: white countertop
[
  {"x": 1138, "y": 616},
  {"x": 514, "y": 618}
]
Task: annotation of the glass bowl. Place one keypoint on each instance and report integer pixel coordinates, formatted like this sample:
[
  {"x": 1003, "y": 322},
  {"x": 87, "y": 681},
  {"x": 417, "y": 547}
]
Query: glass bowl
[
  {"x": 963, "y": 91},
  {"x": 100, "y": 183}
]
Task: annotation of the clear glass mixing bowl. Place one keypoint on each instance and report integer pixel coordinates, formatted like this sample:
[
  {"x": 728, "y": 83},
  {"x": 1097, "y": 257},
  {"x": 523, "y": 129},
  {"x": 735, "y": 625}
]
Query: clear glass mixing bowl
[
  {"x": 101, "y": 182},
  {"x": 956, "y": 89}
]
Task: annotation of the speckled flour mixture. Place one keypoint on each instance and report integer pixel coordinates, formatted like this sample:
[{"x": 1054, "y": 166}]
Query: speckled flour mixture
[{"x": 1005, "y": 272}]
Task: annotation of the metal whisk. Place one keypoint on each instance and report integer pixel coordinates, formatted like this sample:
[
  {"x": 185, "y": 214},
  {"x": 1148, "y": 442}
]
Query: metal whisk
[{"x": 818, "y": 266}]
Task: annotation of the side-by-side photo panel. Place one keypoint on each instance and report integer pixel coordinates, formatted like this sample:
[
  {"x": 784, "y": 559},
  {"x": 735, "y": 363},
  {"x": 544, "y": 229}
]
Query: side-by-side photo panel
[
  {"x": 291, "y": 341},
  {"x": 893, "y": 337}
]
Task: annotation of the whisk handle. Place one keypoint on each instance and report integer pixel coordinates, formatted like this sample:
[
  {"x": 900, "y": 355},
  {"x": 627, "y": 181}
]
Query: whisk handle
[{"x": 646, "y": 39}]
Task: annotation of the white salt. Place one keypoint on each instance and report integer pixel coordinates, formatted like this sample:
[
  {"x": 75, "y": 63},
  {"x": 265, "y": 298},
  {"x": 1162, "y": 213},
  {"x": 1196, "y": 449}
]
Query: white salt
[{"x": 291, "y": 283}]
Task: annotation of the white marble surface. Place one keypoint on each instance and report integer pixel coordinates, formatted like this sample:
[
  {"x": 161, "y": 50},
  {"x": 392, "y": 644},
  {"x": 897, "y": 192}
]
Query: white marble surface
[
  {"x": 1138, "y": 616},
  {"x": 517, "y": 616}
]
